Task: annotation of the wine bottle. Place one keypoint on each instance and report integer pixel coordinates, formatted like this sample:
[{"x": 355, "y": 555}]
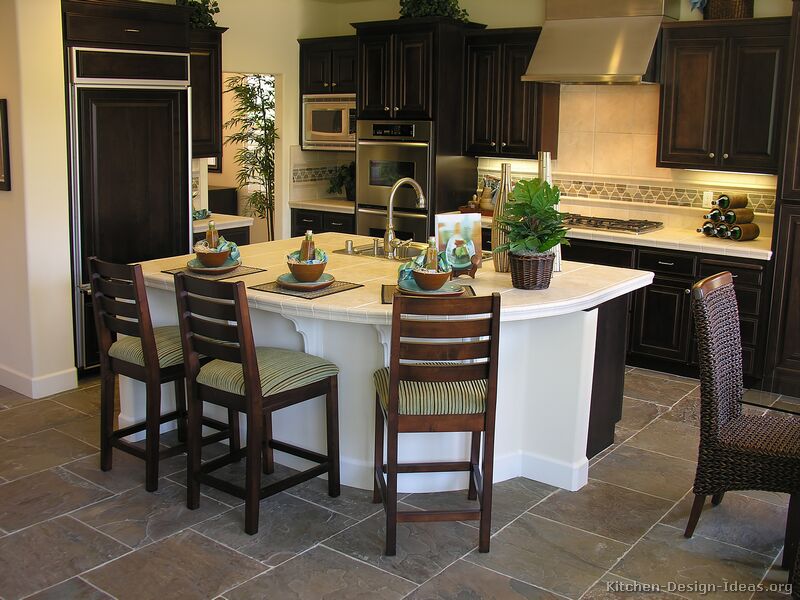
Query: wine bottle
[
  {"x": 738, "y": 215},
  {"x": 715, "y": 215},
  {"x": 721, "y": 231},
  {"x": 307, "y": 249},
  {"x": 708, "y": 229},
  {"x": 726, "y": 201},
  {"x": 744, "y": 232},
  {"x": 431, "y": 255},
  {"x": 212, "y": 235}
]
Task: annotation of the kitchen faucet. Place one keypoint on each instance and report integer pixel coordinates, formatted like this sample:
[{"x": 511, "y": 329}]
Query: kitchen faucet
[{"x": 390, "y": 242}]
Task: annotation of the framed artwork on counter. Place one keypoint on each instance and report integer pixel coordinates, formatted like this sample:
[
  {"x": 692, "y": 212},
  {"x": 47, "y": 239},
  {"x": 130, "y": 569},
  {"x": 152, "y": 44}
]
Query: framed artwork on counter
[{"x": 5, "y": 167}]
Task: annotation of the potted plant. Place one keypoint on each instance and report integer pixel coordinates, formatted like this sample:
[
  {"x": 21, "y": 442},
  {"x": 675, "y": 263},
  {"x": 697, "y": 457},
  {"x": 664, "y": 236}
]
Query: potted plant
[
  {"x": 203, "y": 12},
  {"x": 433, "y": 8},
  {"x": 344, "y": 178},
  {"x": 534, "y": 228},
  {"x": 253, "y": 121}
]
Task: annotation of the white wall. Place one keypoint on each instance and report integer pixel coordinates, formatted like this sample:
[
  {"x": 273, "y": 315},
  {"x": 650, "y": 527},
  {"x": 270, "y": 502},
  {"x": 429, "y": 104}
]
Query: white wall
[{"x": 36, "y": 357}]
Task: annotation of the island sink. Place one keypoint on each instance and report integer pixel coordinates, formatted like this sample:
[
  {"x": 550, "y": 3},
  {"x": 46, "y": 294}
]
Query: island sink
[{"x": 403, "y": 252}]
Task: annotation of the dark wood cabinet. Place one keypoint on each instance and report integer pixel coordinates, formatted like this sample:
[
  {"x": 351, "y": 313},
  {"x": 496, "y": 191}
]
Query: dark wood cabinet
[
  {"x": 410, "y": 68},
  {"x": 789, "y": 176},
  {"x": 321, "y": 222},
  {"x": 505, "y": 116},
  {"x": 206, "y": 80},
  {"x": 661, "y": 320},
  {"x": 223, "y": 200},
  {"x": 238, "y": 235},
  {"x": 328, "y": 65},
  {"x": 722, "y": 94}
]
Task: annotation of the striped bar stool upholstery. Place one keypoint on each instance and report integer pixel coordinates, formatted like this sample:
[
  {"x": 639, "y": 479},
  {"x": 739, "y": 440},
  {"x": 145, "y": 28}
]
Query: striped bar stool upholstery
[
  {"x": 215, "y": 322},
  {"x": 442, "y": 376},
  {"x": 151, "y": 355}
]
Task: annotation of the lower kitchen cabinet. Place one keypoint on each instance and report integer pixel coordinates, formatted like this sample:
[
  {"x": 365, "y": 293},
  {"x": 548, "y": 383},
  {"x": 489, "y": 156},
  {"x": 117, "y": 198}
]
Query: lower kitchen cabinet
[
  {"x": 321, "y": 222},
  {"x": 238, "y": 235},
  {"x": 661, "y": 328}
]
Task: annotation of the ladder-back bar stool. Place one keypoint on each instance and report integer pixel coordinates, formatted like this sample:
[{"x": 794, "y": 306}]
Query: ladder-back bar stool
[
  {"x": 256, "y": 381},
  {"x": 442, "y": 377},
  {"x": 147, "y": 354}
]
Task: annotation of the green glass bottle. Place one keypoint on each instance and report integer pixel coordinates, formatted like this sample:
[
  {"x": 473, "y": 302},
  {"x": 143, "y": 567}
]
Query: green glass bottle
[
  {"x": 715, "y": 215},
  {"x": 739, "y": 215}
]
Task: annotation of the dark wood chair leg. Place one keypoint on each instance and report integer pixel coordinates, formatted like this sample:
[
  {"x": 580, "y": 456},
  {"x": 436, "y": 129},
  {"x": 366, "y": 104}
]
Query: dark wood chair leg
[
  {"x": 180, "y": 406},
  {"x": 268, "y": 455},
  {"x": 694, "y": 516},
  {"x": 255, "y": 436},
  {"x": 391, "y": 490},
  {"x": 474, "y": 458},
  {"x": 234, "y": 442},
  {"x": 106, "y": 419},
  {"x": 152, "y": 444},
  {"x": 332, "y": 425},
  {"x": 790, "y": 544},
  {"x": 485, "y": 532},
  {"x": 194, "y": 445},
  {"x": 716, "y": 499},
  {"x": 378, "y": 452}
]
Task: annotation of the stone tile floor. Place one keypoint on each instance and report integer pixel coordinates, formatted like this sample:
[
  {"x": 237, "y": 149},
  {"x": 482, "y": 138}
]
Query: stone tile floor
[{"x": 68, "y": 530}]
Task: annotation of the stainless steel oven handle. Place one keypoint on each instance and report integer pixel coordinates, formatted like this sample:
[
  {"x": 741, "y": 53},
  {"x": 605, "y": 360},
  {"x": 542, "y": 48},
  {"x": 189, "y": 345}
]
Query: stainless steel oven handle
[
  {"x": 401, "y": 144},
  {"x": 397, "y": 213}
]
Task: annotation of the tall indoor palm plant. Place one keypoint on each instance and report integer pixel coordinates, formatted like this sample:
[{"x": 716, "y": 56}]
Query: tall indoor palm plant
[{"x": 253, "y": 122}]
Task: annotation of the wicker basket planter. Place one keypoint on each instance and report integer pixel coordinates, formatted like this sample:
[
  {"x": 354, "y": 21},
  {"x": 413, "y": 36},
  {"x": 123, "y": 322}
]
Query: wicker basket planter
[
  {"x": 532, "y": 272},
  {"x": 728, "y": 9}
]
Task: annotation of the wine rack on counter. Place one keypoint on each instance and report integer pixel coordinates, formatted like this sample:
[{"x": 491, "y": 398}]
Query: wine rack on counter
[{"x": 731, "y": 219}]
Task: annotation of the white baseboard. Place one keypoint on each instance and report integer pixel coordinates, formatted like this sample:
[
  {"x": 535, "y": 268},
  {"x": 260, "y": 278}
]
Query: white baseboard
[{"x": 41, "y": 386}]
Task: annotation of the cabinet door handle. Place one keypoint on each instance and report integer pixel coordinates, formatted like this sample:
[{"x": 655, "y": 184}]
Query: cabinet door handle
[
  {"x": 725, "y": 155},
  {"x": 132, "y": 30},
  {"x": 503, "y": 145},
  {"x": 711, "y": 155},
  {"x": 386, "y": 108},
  {"x": 325, "y": 84},
  {"x": 335, "y": 224},
  {"x": 493, "y": 144},
  {"x": 396, "y": 108},
  {"x": 687, "y": 291},
  {"x": 308, "y": 220},
  {"x": 334, "y": 84},
  {"x": 666, "y": 264}
]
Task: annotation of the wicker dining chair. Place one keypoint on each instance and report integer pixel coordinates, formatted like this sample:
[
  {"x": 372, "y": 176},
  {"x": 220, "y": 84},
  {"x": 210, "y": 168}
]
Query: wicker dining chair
[
  {"x": 437, "y": 382},
  {"x": 737, "y": 451}
]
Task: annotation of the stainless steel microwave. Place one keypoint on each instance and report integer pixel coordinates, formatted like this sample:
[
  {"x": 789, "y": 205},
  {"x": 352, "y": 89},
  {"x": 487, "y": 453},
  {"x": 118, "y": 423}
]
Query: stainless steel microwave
[{"x": 329, "y": 122}]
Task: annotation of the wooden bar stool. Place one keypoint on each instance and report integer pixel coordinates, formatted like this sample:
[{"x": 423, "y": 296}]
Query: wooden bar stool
[
  {"x": 737, "y": 451},
  {"x": 437, "y": 381},
  {"x": 215, "y": 322},
  {"x": 151, "y": 355}
]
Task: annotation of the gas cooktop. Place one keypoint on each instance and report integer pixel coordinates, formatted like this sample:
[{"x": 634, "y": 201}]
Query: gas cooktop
[{"x": 630, "y": 226}]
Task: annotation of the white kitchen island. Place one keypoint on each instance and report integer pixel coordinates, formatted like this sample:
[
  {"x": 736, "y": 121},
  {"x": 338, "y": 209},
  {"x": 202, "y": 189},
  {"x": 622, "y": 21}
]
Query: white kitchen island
[{"x": 546, "y": 362}]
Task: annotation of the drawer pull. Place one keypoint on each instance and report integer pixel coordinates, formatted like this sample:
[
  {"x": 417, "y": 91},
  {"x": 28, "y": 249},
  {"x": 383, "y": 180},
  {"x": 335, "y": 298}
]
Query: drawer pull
[
  {"x": 687, "y": 291},
  {"x": 335, "y": 224},
  {"x": 308, "y": 220},
  {"x": 131, "y": 30},
  {"x": 666, "y": 264}
]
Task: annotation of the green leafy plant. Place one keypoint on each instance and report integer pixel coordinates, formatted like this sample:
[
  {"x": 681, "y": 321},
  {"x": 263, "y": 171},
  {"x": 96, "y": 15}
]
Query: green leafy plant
[
  {"x": 203, "y": 12},
  {"x": 433, "y": 8},
  {"x": 344, "y": 178},
  {"x": 253, "y": 120},
  {"x": 531, "y": 220}
]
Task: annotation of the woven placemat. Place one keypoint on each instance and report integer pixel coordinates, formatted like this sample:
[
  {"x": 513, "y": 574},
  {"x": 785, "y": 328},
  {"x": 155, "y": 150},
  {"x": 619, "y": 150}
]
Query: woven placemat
[
  {"x": 388, "y": 292},
  {"x": 334, "y": 288},
  {"x": 237, "y": 272}
]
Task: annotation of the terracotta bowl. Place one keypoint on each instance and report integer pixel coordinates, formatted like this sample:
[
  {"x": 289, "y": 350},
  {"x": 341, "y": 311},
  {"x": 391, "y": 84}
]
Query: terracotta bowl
[
  {"x": 306, "y": 272},
  {"x": 431, "y": 281},
  {"x": 213, "y": 259}
]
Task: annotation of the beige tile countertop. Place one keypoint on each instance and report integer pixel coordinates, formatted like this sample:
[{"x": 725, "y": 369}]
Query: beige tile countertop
[
  {"x": 578, "y": 287},
  {"x": 222, "y": 222},
  {"x": 679, "y": 232},
  {"x": 337, "y": 205}
]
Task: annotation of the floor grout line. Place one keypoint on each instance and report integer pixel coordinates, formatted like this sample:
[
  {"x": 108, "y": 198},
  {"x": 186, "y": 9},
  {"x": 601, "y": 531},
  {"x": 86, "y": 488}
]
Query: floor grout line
[
  {"x": 705, "y": 537},
  {"x": 623, "y": 487},
  {"x": 89, "y": 583},
  {"x": 363, "y": 562}
]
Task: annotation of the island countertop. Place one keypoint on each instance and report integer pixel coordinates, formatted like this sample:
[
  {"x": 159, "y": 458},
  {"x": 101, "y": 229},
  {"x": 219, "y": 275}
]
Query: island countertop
[{"x": 578, "y": 287}]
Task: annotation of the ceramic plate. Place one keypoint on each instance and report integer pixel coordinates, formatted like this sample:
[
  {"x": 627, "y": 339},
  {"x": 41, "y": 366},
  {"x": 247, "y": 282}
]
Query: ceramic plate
[
  {"x": 409, "y": 287},
  {"x": 197, "y": 267},
  {"x": 288, "y": 281}
]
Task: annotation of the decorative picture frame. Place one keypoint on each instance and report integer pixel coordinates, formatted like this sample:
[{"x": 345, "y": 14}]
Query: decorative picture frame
[
  {"x": 5, "y": 166},
  {"x": 459, "y": 237}
]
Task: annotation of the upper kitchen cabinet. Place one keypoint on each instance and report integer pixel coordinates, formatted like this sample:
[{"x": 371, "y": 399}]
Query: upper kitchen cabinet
[
  {"x": 505, "y": 116},
  {"x": 409, "y": 68},
  {"x": 722, "y": 94},
  {"x": 205, "y": 65},
  {"x": 328, "y": 65}
]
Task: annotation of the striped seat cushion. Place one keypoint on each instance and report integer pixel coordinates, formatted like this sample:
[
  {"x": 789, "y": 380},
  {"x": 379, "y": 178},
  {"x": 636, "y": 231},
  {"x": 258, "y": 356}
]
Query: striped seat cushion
[
  {"x": 168, "y": 345},
  {"x": 434, "y": 397},
  {"x": 280, "y": 370}
]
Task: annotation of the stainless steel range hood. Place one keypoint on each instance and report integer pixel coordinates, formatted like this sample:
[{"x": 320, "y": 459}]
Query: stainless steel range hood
[{"x": 598, "y": 41}]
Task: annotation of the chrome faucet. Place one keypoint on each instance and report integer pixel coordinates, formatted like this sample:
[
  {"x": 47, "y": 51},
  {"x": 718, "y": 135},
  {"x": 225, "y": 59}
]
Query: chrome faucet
[{"x": 390, "y": 242}]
